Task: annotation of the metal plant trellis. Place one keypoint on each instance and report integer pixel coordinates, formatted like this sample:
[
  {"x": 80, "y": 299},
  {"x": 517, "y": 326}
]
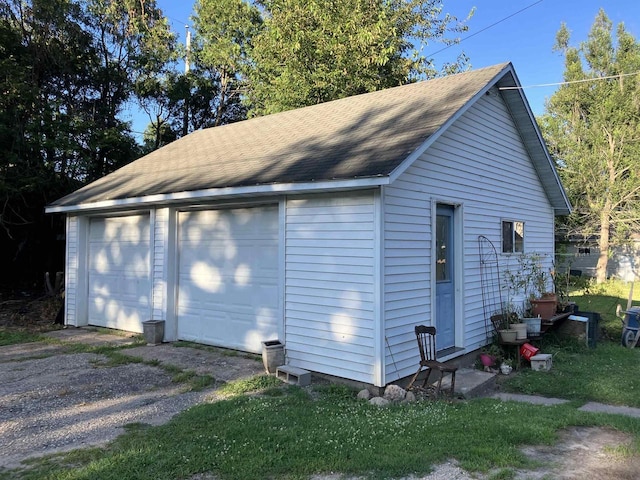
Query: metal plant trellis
[{"x": 489, "y": 282}]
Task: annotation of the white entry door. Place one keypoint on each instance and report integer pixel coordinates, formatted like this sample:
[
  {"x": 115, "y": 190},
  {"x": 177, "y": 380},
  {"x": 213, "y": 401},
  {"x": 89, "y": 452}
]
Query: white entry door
[
  {"x": 119, "y": 272},
  {"x": 228, "y": 291}
]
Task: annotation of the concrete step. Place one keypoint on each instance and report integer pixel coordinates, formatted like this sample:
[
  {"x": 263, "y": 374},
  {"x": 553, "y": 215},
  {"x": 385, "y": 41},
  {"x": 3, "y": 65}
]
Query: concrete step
[{"x": 471, "y": 382}]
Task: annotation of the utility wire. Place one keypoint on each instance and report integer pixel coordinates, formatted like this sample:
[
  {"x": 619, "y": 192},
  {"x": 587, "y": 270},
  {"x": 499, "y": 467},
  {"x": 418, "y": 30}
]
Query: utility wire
[
  {"x": 583, "y": 80},
  {"x": 486, "y": 28}
]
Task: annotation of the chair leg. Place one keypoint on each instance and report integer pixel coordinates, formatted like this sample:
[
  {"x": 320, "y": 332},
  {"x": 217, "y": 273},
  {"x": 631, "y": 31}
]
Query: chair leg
[
  {"x": 453, "y": 384},
  {"x": 439, "y": 384},
  {"x": 413, "y": 379},
  {"x": 426, "y": 379}
]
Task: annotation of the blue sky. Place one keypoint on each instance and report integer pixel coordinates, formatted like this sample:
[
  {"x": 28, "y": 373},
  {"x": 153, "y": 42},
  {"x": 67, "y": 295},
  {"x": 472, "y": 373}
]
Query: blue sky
[{"x": 526, "y": 39}]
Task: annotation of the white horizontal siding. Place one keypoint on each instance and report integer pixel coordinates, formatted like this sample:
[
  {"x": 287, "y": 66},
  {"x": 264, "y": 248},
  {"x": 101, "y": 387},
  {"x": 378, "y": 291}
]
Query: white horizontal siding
[
  {"x": 329, "y": 285},
  {"x": 481, "y": 164}
]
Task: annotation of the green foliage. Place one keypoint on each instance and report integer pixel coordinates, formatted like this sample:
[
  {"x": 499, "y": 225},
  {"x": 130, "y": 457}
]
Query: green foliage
[
  {"x": 314, "y": 51},
  {"x": 592, "y": 130},
  {"x": 530, "y": 276},
  {"x": 69, "y": 69}
]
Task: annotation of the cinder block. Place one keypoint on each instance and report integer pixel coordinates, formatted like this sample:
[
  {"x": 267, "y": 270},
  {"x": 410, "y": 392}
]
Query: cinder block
[
  {"x": 294, "y": 375},
  {"x": 541, "y": 362}
]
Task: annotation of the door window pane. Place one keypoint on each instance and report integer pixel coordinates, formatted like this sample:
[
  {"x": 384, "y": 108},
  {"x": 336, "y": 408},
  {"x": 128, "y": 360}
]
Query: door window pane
[{"x": 443, "y": 266}]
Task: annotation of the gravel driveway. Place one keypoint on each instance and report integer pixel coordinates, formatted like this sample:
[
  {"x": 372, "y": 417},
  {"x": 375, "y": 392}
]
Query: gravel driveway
[{"x": 52, "y": 400}]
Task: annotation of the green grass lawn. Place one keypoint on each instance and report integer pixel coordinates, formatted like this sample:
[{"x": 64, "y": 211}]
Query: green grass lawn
[
  {"x": 603, "y": 299},
  {"x": 288, "y": 432},
  {"x": 13, "y": 337},
  {"x": 608, "y": 373}
]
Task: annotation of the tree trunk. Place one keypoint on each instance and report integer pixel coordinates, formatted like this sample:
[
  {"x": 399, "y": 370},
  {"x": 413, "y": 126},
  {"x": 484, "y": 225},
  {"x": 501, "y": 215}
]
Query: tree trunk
[{"x": 603, "y": 243}]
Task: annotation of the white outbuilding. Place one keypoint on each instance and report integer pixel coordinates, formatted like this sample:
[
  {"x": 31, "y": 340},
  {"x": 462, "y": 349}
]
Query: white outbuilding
[{"x": 334, "y": 228}]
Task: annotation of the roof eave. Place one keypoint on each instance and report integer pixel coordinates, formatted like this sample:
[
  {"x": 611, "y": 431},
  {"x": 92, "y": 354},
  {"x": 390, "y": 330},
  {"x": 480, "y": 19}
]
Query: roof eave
[
  {"x": 532, "y": 138},
  {"x": 199, "y": 196},
  {"x": 509, "y": 85}
]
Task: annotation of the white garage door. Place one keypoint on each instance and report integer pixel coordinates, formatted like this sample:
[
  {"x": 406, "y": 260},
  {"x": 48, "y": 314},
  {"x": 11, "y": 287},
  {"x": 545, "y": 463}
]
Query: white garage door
[
  {"x": 228, "y": 277},
  {"x": 119, "y": 272}
]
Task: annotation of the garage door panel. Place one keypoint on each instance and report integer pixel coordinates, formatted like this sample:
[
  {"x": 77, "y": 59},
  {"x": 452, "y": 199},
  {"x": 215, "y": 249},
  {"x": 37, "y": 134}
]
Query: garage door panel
[
  {"x": 119, "y": 272},
  {"x": 228, "y": 277}
]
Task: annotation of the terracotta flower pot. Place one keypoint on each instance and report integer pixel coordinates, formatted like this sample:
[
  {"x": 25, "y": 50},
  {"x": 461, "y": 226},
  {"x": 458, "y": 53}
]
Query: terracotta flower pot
[{"x": 545, "y": 308}]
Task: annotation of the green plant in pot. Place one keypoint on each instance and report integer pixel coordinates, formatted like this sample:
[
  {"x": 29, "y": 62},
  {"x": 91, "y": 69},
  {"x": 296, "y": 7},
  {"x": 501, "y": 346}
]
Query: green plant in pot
[
  {"x": 519, "y": 328},
  {"x": 533, "y": 278},
  {"x": 561, "y": 277},
  {"x": 491, "y": 356},
  {"x": 502, "y": 321},
  {"x": 544, "y": 301}
]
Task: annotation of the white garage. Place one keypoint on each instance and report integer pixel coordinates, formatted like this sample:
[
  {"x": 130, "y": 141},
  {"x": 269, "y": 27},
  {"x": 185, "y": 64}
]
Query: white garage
[
  {"x": 228, "y": 277},
  {"x": 119, "y": 272}
]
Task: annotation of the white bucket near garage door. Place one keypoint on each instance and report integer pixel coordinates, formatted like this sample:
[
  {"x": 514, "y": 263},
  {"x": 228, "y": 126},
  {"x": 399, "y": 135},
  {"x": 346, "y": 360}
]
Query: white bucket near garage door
[
  {"x": 119, "y": 272},
  {"x": 228, "y": 277}
]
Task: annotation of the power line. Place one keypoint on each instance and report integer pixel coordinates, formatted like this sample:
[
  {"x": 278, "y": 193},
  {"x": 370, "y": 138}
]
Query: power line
[
  {"x": 583, "y": 80},
  {"x": 176, "y": 20},
  {"x": 486, "y": 28}
]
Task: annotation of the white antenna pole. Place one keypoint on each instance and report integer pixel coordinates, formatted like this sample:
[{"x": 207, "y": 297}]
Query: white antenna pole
[{"x": 187, "y": 66}]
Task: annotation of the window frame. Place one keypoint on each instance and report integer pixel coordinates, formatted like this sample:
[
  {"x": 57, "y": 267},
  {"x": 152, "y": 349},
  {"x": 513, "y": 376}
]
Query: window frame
[{"x": 516, "y": 246}]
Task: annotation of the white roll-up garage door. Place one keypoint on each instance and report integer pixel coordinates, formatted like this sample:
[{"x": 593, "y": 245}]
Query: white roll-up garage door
[
  {"x": 119, "y": 272},
  {"x": 228, "y": 277}
]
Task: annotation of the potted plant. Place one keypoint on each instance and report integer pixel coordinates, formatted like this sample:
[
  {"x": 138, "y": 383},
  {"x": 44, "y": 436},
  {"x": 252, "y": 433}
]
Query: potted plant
[
  {"x": 532, "y": 278},
  {"x": 508, "y": 335},
  {"x": 520, "y": 329},
  {"x": 506, "y": 367},
  {"x": 502, "y": 322},
  {"x": 517, "y": 328},
  {"x": 491, "y": 356},
  {"x": 561, "y": 279}
]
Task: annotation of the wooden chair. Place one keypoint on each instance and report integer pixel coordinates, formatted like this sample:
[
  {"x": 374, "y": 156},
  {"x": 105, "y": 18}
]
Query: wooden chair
[{"x": 426, "y": 337}]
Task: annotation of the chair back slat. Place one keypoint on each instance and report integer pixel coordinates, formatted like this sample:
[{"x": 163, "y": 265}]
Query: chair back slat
[{"x": 426, "y": 337}]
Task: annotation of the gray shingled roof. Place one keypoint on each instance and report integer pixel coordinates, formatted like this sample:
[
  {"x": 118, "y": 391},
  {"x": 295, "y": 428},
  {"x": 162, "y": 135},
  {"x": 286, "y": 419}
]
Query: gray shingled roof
[{"x": 358, "y": 137}]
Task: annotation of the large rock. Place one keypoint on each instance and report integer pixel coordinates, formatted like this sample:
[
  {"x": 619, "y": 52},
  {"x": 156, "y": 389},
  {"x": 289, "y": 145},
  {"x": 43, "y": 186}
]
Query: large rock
[
  {"x": 379, "y": 401},
  {"x": 409, "y": 398},
  {"x": 394, "y": 393},
  {"x": 364, "y": 394}
]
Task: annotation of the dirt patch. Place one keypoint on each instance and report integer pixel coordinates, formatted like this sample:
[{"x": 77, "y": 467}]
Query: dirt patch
[
  {"x": 580, "y": 453},
  {"x": 30, "y": 311},
  {"x": 585, "y": 452}
]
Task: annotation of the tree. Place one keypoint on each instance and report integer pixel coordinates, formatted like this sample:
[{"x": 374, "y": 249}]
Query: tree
[
  {"x": 312, "y": 51},
  {"x": 224, "y": 32},
  {"x": 134, "y": 43},
  {"x": 593, "y": 131},
  {"x": 69, "y": 69}
]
